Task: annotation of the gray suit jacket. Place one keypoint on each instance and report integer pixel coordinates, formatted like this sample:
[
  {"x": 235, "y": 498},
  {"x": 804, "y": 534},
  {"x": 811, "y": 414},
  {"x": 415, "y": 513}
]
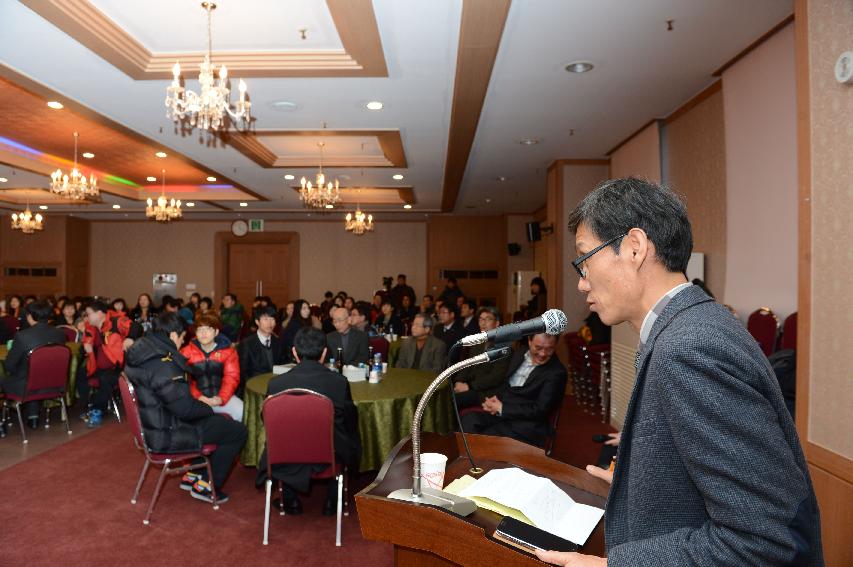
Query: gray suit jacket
[
  {"x": 710, "y": 469},
  {"x": 357, "y": 346},
  {"x": 433, "y": 357}
]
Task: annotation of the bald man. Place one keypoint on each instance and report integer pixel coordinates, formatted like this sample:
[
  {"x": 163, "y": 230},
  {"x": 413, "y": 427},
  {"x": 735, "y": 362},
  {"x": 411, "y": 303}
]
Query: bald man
[{"x": 346, "y": 337}]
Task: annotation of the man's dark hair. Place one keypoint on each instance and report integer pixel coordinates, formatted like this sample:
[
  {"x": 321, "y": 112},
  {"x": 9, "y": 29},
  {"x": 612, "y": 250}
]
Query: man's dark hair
[
  {"x": 97, "y": 305},
  {"x": 452, "y": 280},
  {"x": 167, "y": 323},
  {"x": 328, "y": 295},
  {"x": 262, "y": 310},
  {"x": 401, "y": 276},
  {"x": 232, "y": 296},
  {"x": 490, "y": 309},
  {"x": 39, "y": 310},
  {"x": 450, "y": 307},
  {"x": 431, "y": 298},
  {"x": 309, "y": 343},
  {"x": 169, "y": 301},
  {"x": 471, "y": 304},
  {"x": 618, "y": 205},
  {"x": 363, "y": 308}
]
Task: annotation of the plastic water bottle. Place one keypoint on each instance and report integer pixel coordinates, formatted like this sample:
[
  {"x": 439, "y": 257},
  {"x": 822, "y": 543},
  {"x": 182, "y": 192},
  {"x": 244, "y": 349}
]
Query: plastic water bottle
[
  {"x": 331, "y": 365},
  {"x": 376, "y": 369}
]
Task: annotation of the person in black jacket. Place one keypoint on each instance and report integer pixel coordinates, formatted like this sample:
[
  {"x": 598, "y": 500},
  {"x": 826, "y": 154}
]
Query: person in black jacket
[
  {"x": 37, "y": 333},
  {"x": 173, "y": 421},
  {"x": 449, "y": 328},
  {"x": 262, "y": 350},
  {"x": 309, "y": 350},
  {"x": 536, "y": 384},
  {"x": 352, "y": 342}
]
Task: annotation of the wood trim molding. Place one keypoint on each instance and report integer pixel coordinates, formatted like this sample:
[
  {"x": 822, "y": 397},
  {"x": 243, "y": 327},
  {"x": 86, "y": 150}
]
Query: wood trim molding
[
  {"x": 361, "y": 56},
  {"x": 221, "y": 240},
  {"x": 631, "y": 137},
  {"x": 712, "y": 89},
  {"x": 249, "y": 144},
  {"x": 570, "y": 161},
  {"x": 719, "y": 72},
  {"x": 480, "y": 34}
]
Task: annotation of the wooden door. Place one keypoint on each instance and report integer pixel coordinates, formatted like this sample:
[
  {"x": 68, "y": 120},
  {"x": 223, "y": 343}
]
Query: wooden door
[{"x": 259, "y": 269}]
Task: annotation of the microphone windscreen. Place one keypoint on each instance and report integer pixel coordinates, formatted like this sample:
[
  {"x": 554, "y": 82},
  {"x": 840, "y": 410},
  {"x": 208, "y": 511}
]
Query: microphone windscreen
[{"x": 555, "y": 321}]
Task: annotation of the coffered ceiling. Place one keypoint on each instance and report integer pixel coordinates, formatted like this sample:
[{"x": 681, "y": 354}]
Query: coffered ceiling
[{"x": 461, "y": 81}]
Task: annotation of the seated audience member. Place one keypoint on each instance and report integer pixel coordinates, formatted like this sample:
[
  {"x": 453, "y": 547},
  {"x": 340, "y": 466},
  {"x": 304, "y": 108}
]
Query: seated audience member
[
  {"x": 309, "y": 351},
  {"x": 535, "y": 385},
  {"x": 327, "y": 304},
  {"x": 119, "y": 306},
  {"x": 38, "y": 333},
  {"x": 388, "y": 320},
  {"x": 144, "y": 312},
  {"x": 360, "y": 318},
  {"x": 468, "y": 317},
  {"x": 476, "y": 383},
  {"x": 187, "y": 313},
  {"x": 67, "y": 316},
  {"x": 449, "y": 329},
  {"x": 406, "y": 313},
  {"x": 262, "y": 350},
  {"x": 286, "y": 314},
  {"x": 376, "y": 307},
  {"x": 422, "y": 351},
  {"x": 351, "y": 341},
  {"x": 205, "y": 304},
  {"x": 170, "y": 305},
  {"x": 428, "y": 305},
  {"x": 215, "y": 367},
  {"x": 231, "y": 314},
  {"x": 103, "y": 344},
  {"x": 302, "y": 317},
  {"x": 173, "y": 421}
]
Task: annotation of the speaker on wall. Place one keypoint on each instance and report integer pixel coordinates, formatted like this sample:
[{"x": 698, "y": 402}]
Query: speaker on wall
[
  {"x": 513, "y": 248},
  {"x": 534, "y": 234}
]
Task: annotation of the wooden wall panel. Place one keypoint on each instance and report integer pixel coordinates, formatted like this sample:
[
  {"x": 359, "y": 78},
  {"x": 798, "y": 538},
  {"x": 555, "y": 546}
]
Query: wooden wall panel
[
  {"x": 43, "y": 249},
  {"x": 77, "y": 253},
  {"x": 835, "y": 499}
]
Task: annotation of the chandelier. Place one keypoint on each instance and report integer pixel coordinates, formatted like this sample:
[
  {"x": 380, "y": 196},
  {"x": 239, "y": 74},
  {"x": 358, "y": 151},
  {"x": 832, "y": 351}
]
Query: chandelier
[
  {"x": 359, "y": 223},
  {"x": 75, "y": 186},
  {"x": 210, "y": 109},
  {"x": 26, "y": 222},
  {"x": 321, "y": 195},
  {"x": 163, "y": 210}
]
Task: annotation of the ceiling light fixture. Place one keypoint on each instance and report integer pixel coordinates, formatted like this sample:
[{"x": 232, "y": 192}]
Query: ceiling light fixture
[
  {"x": 211, "y": 178},
  {"x": 26, "y": 222},
  {"x": 359, "y": 223},
  {"x": 407, "y": 206},
  {"x": 43, "y": 207},
  {"x": 190, "y": 204},
  {"x": 212, "y": 108},
  {"x": 322, "y": 194},
  {"x": 88, "y": 155},
  {"x": 163, "y": 210},
  {"x": 56, "y": 105},
  {"x": 116, "y": 206},
  {"x": 3, "y": 180},
  {"x": 289, "y": 177},
  {"x": 374, "y": 105},
  {"x": 579, "y": 67},
  {"x": 528, "y": 141},
  {"x": 151, "y": 179},
  {"x": 75, "y": 186},
  {"x": 398, "y": 177},
  {"x": 161, "y": 154},
  {"x": 244, "y": 204}
]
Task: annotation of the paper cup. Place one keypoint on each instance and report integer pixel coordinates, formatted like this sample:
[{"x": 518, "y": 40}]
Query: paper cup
[
  {"x": 432, "y": 470},
  {"x": 384, "y": 368}
]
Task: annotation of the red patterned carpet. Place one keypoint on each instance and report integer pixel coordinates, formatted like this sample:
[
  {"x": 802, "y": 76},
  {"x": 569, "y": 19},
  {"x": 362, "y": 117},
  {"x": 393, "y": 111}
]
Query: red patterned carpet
[{"x": 72, "y": 505}]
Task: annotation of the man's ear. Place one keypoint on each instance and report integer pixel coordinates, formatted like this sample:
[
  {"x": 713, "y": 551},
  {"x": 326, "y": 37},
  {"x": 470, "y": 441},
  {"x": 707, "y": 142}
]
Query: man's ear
[{"x": 638, "y": 246}]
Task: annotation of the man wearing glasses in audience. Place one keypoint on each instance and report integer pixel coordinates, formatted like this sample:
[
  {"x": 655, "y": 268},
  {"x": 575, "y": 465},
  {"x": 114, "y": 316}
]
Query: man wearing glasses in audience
[
  {"x": 351, "y": 341},
  {"x": 476, "y": 383},
  {"x": 709, "y": 469}
]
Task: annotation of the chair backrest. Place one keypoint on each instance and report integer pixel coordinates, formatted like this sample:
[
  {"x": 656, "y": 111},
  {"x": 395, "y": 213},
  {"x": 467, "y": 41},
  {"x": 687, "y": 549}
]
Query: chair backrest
[
  {"x": 764, "y": 327},
  {"x": 71, "y": 333},
  {"x": 12, "y": 325},
  {"x": 380, "y": 345},
  {"x": 789, "y": 332},
  {"x": 299, "y": 426},
  {"x": 131, "y": 409},
  {"x": 47, "y": 371}
]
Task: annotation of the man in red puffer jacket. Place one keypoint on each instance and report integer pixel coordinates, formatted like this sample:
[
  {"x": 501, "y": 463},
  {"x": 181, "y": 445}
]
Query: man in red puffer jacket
[{"x": 215, "y": 367}]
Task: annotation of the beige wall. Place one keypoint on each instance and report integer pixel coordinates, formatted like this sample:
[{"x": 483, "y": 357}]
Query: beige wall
[
  {"x": 759, "y": 94},
  {"x": 125, "y": 255},
  {"x": 696, "y": 169},
  {"x": 639, "y": 156},
  {"x": 516, "y": 231}
]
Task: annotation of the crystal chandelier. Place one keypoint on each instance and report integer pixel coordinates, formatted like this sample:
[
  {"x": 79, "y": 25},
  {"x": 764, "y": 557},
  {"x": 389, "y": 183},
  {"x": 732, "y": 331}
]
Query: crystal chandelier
[
  {"x": 359, "y": 223},
  {"x": 75, "y": 186},
  {"x": 321, "y": 195},
  {"x": 211, "y": 109},
  {"x": 26, "y": 222},
  {"x": 163, "y": 210}
]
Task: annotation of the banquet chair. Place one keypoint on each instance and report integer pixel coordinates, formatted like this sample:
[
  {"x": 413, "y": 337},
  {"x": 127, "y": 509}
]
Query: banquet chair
[
  {"x": 789, "y": 332},
  {"x": 172, "y": 463},
  {"x": 47, "y": 376},
  {"x": 381, "y": 346},
  {"x": 12, "y": 325},
  {"x": 94, "y": 384},
  {"x": 763, "y": 325},
  {"x": 300, "y": 428},
  {"x": 71, "y": 334}
]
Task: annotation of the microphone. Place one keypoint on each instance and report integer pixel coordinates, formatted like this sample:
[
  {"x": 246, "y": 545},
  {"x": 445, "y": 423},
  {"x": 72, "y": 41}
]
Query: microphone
[{"x": 552, "y": 322}]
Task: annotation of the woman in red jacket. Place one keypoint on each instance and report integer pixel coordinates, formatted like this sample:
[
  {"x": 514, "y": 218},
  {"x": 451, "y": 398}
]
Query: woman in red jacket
[{"x": 215, "y": 367}]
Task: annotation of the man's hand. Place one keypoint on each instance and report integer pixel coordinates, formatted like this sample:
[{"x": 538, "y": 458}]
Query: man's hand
[
  {"x": 460, "y": 387},
  {"x": 88, "y": 348},
  {"x": 493, "y": 405},
  {"x": 217, "y": 401},
  {"x": 208, "y": 401},
  {"x": 603, "y": 474},
  {"x": 571, "y": 559},
  {"x": 614, "y": 439},
  {"x": 127, "y": 343}
]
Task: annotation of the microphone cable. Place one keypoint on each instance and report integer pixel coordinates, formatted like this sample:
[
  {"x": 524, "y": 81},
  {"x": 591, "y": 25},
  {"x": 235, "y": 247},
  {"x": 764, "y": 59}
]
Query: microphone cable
[{"x": 452, "y": 355}]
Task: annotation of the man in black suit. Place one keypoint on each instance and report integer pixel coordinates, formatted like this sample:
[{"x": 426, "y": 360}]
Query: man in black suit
[
  {"x": 351, "y": 341},
  {"x": 309, "y": 350},
  {"x": 262, "y": 350},
  {"x": 17, "y": 360},
  {"x": 449, "y": 328},
  {"x": 536, "y": 383},
  {"x": 467, "y": 317}
]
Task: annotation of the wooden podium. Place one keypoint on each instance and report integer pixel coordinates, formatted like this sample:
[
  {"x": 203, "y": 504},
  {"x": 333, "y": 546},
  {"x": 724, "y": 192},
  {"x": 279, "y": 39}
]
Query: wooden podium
[{"x": 431, "y": 536}]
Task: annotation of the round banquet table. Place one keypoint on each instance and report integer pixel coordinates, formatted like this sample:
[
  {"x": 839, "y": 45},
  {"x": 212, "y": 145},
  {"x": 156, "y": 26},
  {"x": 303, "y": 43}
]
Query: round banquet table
[
  {"x": 385, "y": 412},
  {"x": 71, "y": 384}
]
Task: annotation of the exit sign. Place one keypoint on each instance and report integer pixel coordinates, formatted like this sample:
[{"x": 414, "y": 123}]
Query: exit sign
[{"x": 256, "y": 225}]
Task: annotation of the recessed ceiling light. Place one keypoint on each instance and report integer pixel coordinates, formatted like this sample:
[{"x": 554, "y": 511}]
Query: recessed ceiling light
[
  {"x": 501, "y": 179},
  {"x": 398, "y": 177},
  {"x": 116, "y": 206},
  {"x": 284, "y": 106},
  {"x": 488, "y": 200},
  {"x": 56, "y": 105},
  {"x": 3, "y": 180},
  {"x": 289, "y": 177},
  {"x": 149, "y": 178},
  {"x": 161, "y": 154},
  {"x": 88, "y": 155},
  {"x": 579, "y": 67},
  {"x": 407, "y": 206},
  {"x": 43, "y": 207},
  {"x": 374, "y": 105},
  {"x": 190, "y": 204},
  {"x": 528, "y": 141},
  {"x": 244, "y": 204},
  {"x": 211, "y": 178},
  {"x": 330, "y": 206}
]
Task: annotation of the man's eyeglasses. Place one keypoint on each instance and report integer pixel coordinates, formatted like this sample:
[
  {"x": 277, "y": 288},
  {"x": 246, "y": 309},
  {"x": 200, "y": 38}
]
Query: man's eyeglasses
[{"x": 578, "y": 262}]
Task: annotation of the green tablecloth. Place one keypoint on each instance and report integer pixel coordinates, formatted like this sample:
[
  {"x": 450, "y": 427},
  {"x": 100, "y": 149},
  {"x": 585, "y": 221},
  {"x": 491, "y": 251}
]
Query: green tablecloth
[
  {"x": 71, "y": 385},
  {"x": 385, "y": 412}
]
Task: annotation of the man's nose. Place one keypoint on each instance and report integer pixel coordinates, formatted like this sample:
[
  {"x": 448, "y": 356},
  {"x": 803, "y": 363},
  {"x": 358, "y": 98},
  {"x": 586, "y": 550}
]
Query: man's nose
[{"x": 583, "y": 285}]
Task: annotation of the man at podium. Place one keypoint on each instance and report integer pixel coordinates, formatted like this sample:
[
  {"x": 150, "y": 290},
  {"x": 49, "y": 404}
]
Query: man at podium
[{"x": 710, "y": 470}]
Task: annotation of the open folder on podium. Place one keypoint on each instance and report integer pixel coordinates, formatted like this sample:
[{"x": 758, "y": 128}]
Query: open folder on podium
[{"x": 531, "y": 499}]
